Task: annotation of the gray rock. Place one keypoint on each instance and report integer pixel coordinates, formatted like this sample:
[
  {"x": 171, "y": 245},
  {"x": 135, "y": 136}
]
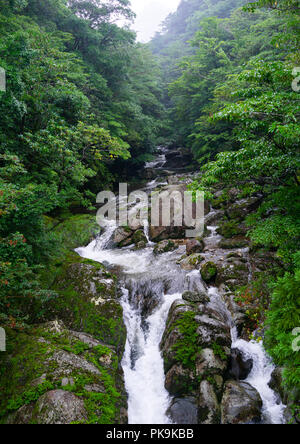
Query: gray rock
[
  {"x": 241, "y": 404},
  {"x": 59, "y": 407},
  {"x": 193, "y": 296},
  {"x": 164, "y": 247},
  {"x": 179, "y": 380},
  {"x": 194, "y": 246},
  {"x": 68, "y": 362},
  {"x": 240, "y": 366},
  {"x": 184, "y": 411},
  {"x": 208, "y": 406}
]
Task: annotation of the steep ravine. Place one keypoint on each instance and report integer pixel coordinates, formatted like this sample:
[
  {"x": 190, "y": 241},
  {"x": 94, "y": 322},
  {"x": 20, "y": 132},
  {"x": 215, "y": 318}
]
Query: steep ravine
[{"x": 183, "y": 361}]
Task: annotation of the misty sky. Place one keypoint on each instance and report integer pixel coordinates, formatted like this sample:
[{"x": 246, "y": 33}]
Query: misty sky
[{"x": 150, "y": 14}]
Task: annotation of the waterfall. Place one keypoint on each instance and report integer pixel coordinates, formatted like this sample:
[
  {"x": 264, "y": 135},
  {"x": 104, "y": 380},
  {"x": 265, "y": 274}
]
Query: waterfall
[
  {"x": 143, "y": 365},
  {"x": 151, "y": 284}
]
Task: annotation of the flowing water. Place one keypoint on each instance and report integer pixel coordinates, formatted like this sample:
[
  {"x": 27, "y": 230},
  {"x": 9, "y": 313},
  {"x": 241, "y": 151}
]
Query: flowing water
[{"x": 150, "y": 285}]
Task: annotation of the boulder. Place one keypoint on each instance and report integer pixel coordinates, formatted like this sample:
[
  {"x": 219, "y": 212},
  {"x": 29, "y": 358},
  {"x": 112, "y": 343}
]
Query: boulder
[
  {"x": 164, "y": 247},
  {"x": 276, "y": 383},
  {"x": 179, "y": 380},
  {"x": 192, "y": 262},
  {"x": 208, "y": 363},
  {"x": 194, "y": 246},
  {"x": 241, "y": 404},
  {"x": 195, "y": 297},
  {"x": 212, "y": 331},
  {"x": 209, "y": 272},
  {"x": 240, "y": 366},
  {"x": 59, "y": 407},
  {"x": 121, "y": 234},
  {"x": 208, "y": 406},
  {"x": 234, "y": 242},
  {"x": 183, "y": 410},
  {"x": 139, "y": 237}
]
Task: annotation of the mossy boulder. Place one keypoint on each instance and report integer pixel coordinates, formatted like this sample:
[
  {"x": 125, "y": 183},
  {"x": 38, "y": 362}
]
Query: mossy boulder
[
  {"x": 191, "y": 262},
  {"x": 165, "y": 247},
  {"x": 233, "y": 275},
  {"x": 195, "y": 297},
  {"x": 53, "y": 375},
  {"x": 234, "y": 242},
  {"x": 77, "y": 231},
  {"x": 209, "y": 272},
  {"x": 231, "y": 228},
  {"x": 88, "y": 300}
]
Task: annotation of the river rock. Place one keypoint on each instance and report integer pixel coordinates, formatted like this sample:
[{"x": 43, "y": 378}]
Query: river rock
[
  {"x": 192, "y": 262},
  {"x": 121, "y": 234},
  {"x": 164, "y": 247},
  {"x": 195, "y": 297},
  {"x": 179, "y": 380},
  {"x": 209, "y": 272},
  {"x": 241, "y": 404},
  {"x": 240, "y": 366},
  {"x": 194, "y": 246},
  {"x": 212, "y": 330},
  {"x": 183, "y": 410},
  {"x": 234, "y": 275},
  {"x": 208, "y": 405},
  {"x": 234, "y": 242}
]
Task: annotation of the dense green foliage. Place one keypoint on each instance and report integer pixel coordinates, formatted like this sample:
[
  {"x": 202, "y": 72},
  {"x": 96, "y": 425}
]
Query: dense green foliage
[
  {"x": 237, "y": 104},
  {"x": 85, "y": 105},
  {"x": 81, "y": 98}
]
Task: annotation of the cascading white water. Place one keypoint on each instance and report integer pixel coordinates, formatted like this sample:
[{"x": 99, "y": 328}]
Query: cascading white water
[
  {"x": 259, "y": 378},
  {"x": 143, "y": 365},
  {"x": 147, "y": 275}
]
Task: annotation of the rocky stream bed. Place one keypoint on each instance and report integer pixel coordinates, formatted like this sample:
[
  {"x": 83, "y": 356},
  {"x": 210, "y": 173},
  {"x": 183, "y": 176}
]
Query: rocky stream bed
[{"x": 146, "y": 328}]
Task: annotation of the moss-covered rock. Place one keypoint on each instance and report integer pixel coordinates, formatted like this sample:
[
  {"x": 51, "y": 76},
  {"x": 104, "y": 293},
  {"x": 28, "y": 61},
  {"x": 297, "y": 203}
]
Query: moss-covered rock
[
  {"x": 164, "y": 247},
  {"x": 234, "y": 242},
  {"x": 88, "y": 300},
  {"x": 209, "y": 272},
  {"x": 53, "y": 375},
  {"x": 191, "y": 262}
]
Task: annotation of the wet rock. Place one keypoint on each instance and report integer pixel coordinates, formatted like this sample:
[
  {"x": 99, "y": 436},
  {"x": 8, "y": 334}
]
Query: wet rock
[
  {"x": 241, "y": 404},
  {"x": 121, "y": 234},
  {"x": 158, "y": 234},
  {"x": 208, "y": 406},
  {"x": 183, "y": 410},
  {"x": 235, "y": 242},
  {"x": 241, "y": 209},
  {"x": 194, "y": 246},
  {"x": 164, "y": 247},
  {"x": 179, "y": 380},
  {"x": 240, "y": 366},
  {"x": 208, "y": 363},
  {"x": 276, "y": 383},
  {"x": 138, "y": 237},
  {"x": 234, "y": 275},
  {"x": 195, "y": 297},
  {"x": 192, "y": 262},
  {"x": 212, "y": 331},
  {"x": 172, "y": 335},
  {"x": 209, "y": 272}
]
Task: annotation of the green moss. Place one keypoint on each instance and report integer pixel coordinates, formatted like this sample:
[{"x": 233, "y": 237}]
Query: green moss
[
  {"x": 229, "y": 229},
  {"x": 187, "y": 348},
  {"x": 209, "y": 271}
]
